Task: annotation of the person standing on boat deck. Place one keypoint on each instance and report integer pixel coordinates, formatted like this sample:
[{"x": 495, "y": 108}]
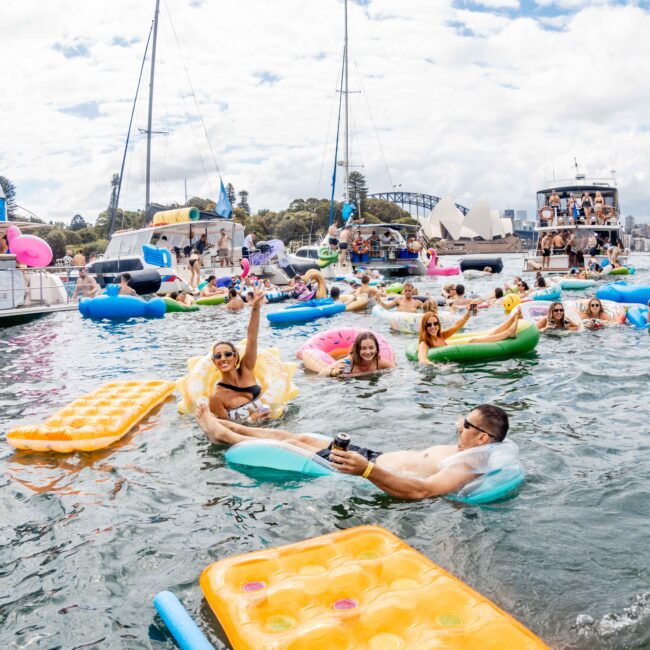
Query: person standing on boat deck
[
  {"x": 162, "y": 242},
  {"x": 125, "y": 289},
  {"x": 86, "y": 284},
  {"x": 587, "y": 207},
  {"x": 547, "y": 244},
  {"x": 67, "y": 258},
  {"x": 554, "y": 202},
  {"x": 344, "y": 242},
  {"x": 202, "y": 244},
  {"x": 79, "y": 259},
  {"x": 570, "y": 249},
  {"x": 223, "y": 248},
  {"x": 558, "y": 243},
  {"x": 333, "y": 236},
  {"x": 194, "y": 262},
  {"x": 249, "y": 245}
]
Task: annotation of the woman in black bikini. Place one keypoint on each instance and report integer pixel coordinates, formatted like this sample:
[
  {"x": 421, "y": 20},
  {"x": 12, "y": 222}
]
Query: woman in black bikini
[{"x": 236, "y": 396}]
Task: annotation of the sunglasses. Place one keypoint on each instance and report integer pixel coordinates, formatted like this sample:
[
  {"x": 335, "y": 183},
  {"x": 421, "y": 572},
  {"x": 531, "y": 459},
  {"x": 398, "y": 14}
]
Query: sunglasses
[
  {"x": 432, "y": 323},
  {"x": 594, "y": 304},
  {"x": 218, "y": 355},
  {"x": 468, "y": 425},
  {"x": 559, "y": 309}
]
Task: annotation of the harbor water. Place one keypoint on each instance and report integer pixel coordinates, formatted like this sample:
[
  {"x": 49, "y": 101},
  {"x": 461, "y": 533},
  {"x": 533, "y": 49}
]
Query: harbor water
[{"x": 87, "y": 540}]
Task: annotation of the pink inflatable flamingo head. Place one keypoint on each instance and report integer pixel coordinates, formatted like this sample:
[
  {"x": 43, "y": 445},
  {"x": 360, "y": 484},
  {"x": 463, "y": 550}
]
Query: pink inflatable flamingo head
[
  {"x": 246, "y": 267},
  {"x": 433, "y": 258},
  {"x": 12, "y": 233}
]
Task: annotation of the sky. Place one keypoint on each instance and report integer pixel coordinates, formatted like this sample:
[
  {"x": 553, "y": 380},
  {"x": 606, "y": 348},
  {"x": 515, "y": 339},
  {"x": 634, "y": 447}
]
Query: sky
[{"x": 473, "y": 99}]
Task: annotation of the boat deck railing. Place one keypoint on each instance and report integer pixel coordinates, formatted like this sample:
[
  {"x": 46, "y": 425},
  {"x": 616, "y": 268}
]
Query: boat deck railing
[{"x": 15, "y": 294}]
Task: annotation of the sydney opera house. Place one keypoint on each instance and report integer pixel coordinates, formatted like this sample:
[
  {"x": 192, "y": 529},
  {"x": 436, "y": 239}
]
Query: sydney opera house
[{"x": 481, "y": 230}]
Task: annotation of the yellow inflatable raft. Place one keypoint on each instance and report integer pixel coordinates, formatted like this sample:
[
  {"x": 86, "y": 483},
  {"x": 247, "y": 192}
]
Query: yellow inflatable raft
[
  {"x": 95, "y": 420},
  {"x": 358, "y": 588},
  {"x": 273, "y": 375}
]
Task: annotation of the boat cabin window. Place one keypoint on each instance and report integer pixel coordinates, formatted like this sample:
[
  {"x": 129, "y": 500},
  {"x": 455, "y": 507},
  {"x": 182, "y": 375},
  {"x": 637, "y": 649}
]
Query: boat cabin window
[{"x": 309, "y": 253}]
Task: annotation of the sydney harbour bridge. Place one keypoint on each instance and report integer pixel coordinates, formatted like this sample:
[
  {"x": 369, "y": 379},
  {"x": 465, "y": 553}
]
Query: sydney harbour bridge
[{"x": 416, "y": 203}]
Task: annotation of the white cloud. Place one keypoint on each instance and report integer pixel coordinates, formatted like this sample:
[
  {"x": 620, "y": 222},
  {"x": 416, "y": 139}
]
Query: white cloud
[{"x": 468, "y": 103}]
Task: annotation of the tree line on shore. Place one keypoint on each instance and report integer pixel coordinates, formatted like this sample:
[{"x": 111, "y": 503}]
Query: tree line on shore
[{"x": 302, "y": 219}]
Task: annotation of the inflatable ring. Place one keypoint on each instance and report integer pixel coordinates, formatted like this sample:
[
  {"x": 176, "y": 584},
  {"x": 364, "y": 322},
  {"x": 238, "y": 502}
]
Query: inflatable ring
[
  {"x": 327, "y": 256},
  {"x": 357, "y": 303},
  {"x": 273, "y": 375},
  {"x": 172, "y": 305},
  {"x": 210, "y": 300},
  {"x": 615, "y": 311},
  {"x": 408, "y": 322},
  {"x": 246, "y": 267},
  {"x": 575, "y": 284},
  {"x": 396, "y": 287},
  {"x": 305, "y": 311},
  {"x": 323, "y": 349},
  {"x": 459, "y": 350}
]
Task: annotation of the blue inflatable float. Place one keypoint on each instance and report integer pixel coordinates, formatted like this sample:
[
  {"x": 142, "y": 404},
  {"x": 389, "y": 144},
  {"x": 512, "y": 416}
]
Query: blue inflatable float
[
  {"x": 496, "y": 465},
  {"x": 111, "y": 306},
  {"x": 185, "y": 631},
  {"x": 277, "y": 296},
  {"x": 624, "y": 292},
  {"x": 305, "y": 311},
  {"x": 553, "y": 292},
  {"x": 637, "y": 315}
]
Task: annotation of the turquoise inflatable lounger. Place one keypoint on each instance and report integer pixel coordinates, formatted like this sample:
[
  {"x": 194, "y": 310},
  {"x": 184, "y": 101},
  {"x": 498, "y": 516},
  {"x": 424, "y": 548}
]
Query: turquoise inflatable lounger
[{"x": 491, "y": 485}]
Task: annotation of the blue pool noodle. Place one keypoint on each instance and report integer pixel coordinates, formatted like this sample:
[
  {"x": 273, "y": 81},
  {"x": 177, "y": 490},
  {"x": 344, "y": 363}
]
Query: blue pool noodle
[{"x": 185, "y": 631}]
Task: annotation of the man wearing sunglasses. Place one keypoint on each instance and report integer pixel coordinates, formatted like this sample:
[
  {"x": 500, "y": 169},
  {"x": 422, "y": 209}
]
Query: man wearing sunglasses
[{"x": 407, "y": 473}]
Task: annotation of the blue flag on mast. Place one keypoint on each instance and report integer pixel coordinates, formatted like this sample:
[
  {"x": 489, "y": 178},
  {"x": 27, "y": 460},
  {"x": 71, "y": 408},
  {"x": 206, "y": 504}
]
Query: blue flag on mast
[
  {"x": 223, "y": 207},
  {"x": 348, "y": 212}
]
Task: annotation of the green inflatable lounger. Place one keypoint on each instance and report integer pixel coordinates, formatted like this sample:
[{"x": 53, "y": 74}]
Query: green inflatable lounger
[
  {"x": 211, "y": 300},
  {"x": 460, "y": 351},
  {"x": 172, "y": 305},
  {"x": 497, "y": 468}
]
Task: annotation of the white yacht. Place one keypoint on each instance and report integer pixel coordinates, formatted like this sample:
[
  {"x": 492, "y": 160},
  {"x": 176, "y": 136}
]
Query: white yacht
[
  {"x": 593, "y": 228},
  {"x": 393, "y": 249},
  {"x": 166, "y": 250}
]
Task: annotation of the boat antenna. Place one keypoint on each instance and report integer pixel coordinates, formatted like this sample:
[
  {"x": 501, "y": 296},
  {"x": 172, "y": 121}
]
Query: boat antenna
[
  {"x": 336, "y": 151},
  {"x": 149, "y": 119},
  {"x": 128, "y": 137}
]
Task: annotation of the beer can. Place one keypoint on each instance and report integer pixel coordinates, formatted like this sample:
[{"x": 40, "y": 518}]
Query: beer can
[{"x": 341, "y": 441}]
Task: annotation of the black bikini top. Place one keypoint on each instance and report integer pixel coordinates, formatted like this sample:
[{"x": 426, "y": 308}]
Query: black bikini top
[{"x": 254, "y": 390}]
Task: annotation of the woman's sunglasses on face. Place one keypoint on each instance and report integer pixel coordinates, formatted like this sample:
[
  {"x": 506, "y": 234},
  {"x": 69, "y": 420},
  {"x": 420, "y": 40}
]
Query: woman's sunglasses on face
[
  {"x": 218, "y": 355},
  {"x": 558, "y": 309},
  {"x": 432, "y": 323}
]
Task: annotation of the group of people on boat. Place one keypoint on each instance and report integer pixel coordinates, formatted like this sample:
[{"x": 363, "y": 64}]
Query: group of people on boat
[
  {"x": 578, "y": 209},
  {"x": 565, "y": 243}
]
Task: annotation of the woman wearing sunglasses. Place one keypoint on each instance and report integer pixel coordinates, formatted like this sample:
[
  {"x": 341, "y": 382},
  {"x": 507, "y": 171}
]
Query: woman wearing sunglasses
[
  {"x": 433, "y": 336},
  {"x": 556, "y": 320},
  {"x": 236, "y": 396},
  {"x": 595, "y": 317},
  {"x": 364, "y": 358}
]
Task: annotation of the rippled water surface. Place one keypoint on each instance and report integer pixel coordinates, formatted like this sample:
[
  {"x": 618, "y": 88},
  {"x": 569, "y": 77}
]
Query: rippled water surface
[{"x": 88, "y": 539}]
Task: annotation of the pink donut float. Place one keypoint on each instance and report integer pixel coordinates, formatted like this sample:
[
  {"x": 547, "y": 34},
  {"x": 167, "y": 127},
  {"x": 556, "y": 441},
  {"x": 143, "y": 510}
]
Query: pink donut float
[
  {"x": 432, "y": 269},
  {"x": 28, "y": 249},
  {"x": 323, "y": 349},
  {"x": 246, "y": 267}
]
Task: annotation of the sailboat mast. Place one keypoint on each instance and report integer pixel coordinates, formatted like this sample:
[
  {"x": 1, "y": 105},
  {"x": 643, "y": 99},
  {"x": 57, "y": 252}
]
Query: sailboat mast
[
  {"x": 151, "y": 79},
  {"x": 347, "y": 115}
]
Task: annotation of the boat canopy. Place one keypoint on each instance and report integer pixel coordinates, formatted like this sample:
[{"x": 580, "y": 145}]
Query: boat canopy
[{"x": 178, "y": 235}]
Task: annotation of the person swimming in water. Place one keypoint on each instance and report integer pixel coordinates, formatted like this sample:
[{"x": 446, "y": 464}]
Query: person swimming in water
[
  {"x": 404, "y": 303},
  {"x": 433, "y": 336},
  {"x": 235, "y": 302},
  {"x": 406, "y": 473},
  {"x": 236, "y": 396},
  {"x": 364, "y": 358}
]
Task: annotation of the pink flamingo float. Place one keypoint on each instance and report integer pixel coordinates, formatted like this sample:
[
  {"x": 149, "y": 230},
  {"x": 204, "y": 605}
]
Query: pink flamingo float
[
  {"x": 434, "y": 269},
  {"x": 28, "y": 249}
]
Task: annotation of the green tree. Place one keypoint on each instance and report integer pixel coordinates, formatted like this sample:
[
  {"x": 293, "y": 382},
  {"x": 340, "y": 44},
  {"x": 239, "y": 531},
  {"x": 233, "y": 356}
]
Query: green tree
[
  {"x": 358, "y": 190},
  {"x": 77, "y": 222},
  {"x": 243, "y": 202},
  {"x": 232, "y": 197},
  {"x": 199, "y": 203},
  {"x": 387, "y": 212},
  {"x": 56, "y": 239},
  {"x": 87, "y": 235},
  {"x": 9, "y": 190},
  {"x": 71, "y": 238}
]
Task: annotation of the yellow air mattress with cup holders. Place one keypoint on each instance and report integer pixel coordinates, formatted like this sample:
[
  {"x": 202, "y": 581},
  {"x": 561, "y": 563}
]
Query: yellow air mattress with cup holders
[
  {"x": 357, "y": 589},
  {"x": 95, "y": 420}
]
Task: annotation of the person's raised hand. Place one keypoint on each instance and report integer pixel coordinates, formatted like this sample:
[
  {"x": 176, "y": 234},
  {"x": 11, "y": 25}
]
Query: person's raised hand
[{"x": 258, "y": 297}]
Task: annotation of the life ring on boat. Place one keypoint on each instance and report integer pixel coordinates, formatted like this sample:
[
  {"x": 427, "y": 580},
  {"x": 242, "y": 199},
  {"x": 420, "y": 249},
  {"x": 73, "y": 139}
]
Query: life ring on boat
[
  {"x": 546, "y": 214},
  {"x": 274, "y": 376},
  {"x": 323, "y": 349},
  {"x": 361, "y": 247}
]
